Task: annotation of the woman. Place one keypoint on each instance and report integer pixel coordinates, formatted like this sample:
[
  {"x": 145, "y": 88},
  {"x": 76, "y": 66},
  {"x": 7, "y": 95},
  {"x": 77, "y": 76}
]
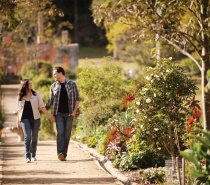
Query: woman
[{"x": 29, "y": 104}]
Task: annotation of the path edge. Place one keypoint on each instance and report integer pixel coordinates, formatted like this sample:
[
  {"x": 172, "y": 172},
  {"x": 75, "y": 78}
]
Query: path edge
[{"x": 105, "y": 164}]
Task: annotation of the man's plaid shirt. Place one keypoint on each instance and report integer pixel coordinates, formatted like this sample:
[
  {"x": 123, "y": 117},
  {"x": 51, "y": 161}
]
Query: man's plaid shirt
[{"x": 72, "y": 92}]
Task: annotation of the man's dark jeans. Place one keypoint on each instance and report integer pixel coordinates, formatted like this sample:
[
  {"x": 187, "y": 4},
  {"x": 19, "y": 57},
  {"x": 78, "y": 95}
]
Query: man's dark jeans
[{"x": 64, "y": 127}]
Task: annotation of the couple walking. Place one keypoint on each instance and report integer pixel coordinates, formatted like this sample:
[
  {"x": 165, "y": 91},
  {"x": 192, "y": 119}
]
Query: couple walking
[{"x": 64, "y": 102}]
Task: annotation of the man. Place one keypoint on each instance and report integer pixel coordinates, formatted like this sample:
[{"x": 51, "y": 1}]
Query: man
[{"x": 64, "y": 102}]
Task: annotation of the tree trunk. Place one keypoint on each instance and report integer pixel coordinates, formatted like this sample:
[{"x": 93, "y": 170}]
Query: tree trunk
[{"x": 205, "y": 64}]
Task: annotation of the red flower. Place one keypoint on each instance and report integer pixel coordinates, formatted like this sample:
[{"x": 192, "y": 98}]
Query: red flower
[
  {"x": 126, "y": 99},
  {"x": 127, "y": 131},
  {"x": 130, "y": 97},
  {"x": 196, "y": 113},
  {"x": 190, "y": 120}
]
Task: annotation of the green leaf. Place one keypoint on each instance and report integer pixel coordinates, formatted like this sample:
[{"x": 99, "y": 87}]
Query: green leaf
[
  {"x": 203, "y": 140},
  {"x": 197, "y": 174},
  {"x": 207, "y": 134},
  {"x": 190, "y": 156}
]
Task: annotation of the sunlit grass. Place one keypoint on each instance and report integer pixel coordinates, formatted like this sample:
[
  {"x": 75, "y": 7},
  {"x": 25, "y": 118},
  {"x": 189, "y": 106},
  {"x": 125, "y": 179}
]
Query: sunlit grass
[
  {"x": 90, "y": 53},
  {"x": 94, "y": 58}
]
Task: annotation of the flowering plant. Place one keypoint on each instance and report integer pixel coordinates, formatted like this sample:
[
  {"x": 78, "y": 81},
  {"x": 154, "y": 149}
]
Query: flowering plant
[{"x": 164, "y": 104}]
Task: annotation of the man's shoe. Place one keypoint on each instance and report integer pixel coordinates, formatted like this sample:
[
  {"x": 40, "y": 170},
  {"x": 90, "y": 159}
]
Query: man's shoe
[
  {"x": 61, "y": 157},
  {"x": 33, "y": 159},
  {"x": 28, "y": 160}
]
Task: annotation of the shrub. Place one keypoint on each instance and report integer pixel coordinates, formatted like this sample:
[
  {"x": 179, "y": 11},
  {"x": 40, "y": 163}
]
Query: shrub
[
  {"x": 47, "y": 130},
  {"x": 100, "y": 91},
  {"x": 42, "y": 84},
  {"x": 198, "y": 155},
  {"x": 164, "y": 104},
  {"x": 152, "y": 175},
  {"x": 33, "y": 68},
  {"x": 137, "y": 160},
  {"x": 79, "y": 133}
]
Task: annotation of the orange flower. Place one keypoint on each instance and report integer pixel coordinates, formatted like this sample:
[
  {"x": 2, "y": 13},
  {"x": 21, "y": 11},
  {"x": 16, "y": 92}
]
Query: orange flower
[
  {"x": 190, "y": 120},
  {"x": 126, "y": 99}
]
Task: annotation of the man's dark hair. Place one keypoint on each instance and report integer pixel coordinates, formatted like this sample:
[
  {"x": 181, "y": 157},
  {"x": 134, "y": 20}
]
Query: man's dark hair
[{"x": 59, "y": 70}]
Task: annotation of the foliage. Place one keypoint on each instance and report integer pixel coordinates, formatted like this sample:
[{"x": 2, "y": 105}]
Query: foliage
[
  {"x": 140, "y": 137},
  {"x": 80, "y": 134},
  {"x": 47, "y": 130},
  {"x": 122, "y": 144},
  {"x": 152, "y": 175},
  {"x": 164, "y": 104},
  {"x": 125, "y": 48},
  {"x": 32, "y": 26},
  {"x": 137, "y": 160},
  {"x": 185, "y": 26},
  {"x": 41, "y": 83},
  {"x": 153, "y": 17},
  {"x": 100, "y": 90},
  {"x": 140, "y": 128},
  {"x": 8, "y": 10},
  {"x": 99, "y": 85},
  {"x": 119, "y": 131},
  {"x": 13, "y": 11},
  {"x": 129, "y": 49},
  {"x": 199, "y": 156},
  {"x": 97, "y": 140},
  {"x": 1, "y": 75},
  {"x": 32, "y": 68},
  {"x": 190, "y": 66}
]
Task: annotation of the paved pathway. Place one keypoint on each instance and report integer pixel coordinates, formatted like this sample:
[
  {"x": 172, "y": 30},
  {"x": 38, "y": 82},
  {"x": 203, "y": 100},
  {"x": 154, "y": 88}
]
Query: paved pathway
[{"x": 79, "y": 169}]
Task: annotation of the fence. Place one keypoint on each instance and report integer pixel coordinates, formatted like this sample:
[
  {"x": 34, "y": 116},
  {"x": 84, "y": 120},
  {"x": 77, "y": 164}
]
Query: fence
[{"x": 175, "y": 172}]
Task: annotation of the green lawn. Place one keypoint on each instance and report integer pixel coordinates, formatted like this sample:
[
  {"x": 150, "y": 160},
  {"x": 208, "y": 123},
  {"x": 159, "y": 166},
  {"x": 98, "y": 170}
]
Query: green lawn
[
  {"x": 93, "y": 57},
  {"x": 90, "y": 53}
]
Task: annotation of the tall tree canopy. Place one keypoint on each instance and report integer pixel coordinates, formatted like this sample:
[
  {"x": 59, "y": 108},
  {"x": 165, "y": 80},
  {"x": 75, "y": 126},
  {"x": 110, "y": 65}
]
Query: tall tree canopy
[{"x": 183, "y": 24}]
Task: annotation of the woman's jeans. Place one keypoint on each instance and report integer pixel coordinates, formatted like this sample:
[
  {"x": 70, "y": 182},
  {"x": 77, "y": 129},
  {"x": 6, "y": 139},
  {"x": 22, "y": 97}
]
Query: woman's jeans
[
  {"x": 64, "y": 127},
  {"x": 30, "y": 130}
]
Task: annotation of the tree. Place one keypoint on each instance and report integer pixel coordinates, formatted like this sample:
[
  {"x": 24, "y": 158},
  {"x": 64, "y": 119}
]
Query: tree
[
  {"x": 33, "y": 25},
  {"x": 183, "y": 24},
  {"x": 7, "y": 9}
]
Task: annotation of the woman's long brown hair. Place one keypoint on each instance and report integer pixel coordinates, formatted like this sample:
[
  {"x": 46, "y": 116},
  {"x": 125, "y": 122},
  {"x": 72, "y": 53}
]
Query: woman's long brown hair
[{"x": 24, "y": 88}]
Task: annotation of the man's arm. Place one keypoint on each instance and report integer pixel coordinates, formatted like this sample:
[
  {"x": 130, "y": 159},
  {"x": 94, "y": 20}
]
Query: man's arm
[{"x": 74, "y": 113}]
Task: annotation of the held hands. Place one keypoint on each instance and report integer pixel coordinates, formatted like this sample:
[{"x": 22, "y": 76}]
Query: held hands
[{"x": 52, "y": 118}]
